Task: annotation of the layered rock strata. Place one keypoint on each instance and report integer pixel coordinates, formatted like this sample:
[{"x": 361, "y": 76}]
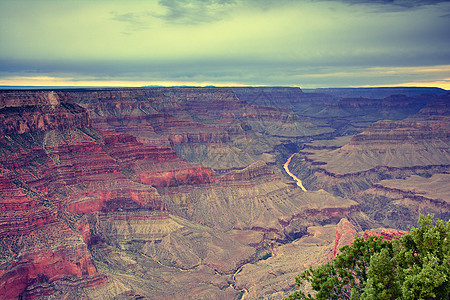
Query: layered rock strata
[
  {"x": 256, "y": 199},
  {"x": 53, "y": 170},
  {"x": 211, "y": 126},
  {"x": 23, "y": 112},
  {"x": 39, "y": 251},
  {"x": 397, "y": 203},
  {"x": 418, "y": 145},
  {"x": 274, "y": 277},
  {"x": 156, "y": 166},
  {"x": 179, "y": 192}
]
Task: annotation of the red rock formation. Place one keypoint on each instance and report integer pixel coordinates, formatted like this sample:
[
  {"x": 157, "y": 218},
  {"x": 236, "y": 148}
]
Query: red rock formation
[
  {"x": 79, "y": 169},
  {"x": 67, "y": 170},
  {"x": 52, "y": 253},
  {"x": 157, "y": 166},
  {"x": 345, "y": 235},
  {"x": 176, "y": 177},
  {"x": 85, "y": 231},
  {"x": 12, "y": 197},
  {"x": 37, "y": 248},
  {"x": 128, "y": 149},
  {"x": 386, "y": 234},
  {"x": 19, "y": 214}
]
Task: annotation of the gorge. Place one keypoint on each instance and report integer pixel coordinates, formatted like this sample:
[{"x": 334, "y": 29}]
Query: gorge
[{"x": 207, "y": 193}]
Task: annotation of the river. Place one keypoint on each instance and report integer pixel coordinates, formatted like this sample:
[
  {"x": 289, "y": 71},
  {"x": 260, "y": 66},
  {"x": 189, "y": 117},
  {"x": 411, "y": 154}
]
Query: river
[{"x": 286, "y": 168}]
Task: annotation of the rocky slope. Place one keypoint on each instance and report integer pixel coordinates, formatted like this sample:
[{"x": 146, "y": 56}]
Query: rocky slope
[
  {"x": 271, "y": 278},
  {"x": 255, "y": 200},
  {"x": 211, "y": 126},
  {"x": 26, "y": 111},
  {"x": 99, "y": 184},
  {"x": 40, "y": 251},
  {"x": 397, "y": 203},
  {"x": 165, "y": 193},
  {"x": 417, "y": 145}
]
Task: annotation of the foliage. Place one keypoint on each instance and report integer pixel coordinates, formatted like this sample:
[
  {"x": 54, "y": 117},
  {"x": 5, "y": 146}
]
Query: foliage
[{"x": 416, "y": 266}]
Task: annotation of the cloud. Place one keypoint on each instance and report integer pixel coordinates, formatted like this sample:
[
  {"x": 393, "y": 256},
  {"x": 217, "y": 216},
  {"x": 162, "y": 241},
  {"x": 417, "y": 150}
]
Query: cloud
[
  {"x": 175, "y": 12},
  {"x": 134, "y": 21},
  {"x": 397, "y": 3},
  {"x": 284, "y": 42},
  {"x": 235, "y": 71},
  {"x": 195, "y": 11}
]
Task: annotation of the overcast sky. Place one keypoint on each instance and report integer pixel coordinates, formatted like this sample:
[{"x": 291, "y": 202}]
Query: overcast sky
[{"x": 306, "y": 43}]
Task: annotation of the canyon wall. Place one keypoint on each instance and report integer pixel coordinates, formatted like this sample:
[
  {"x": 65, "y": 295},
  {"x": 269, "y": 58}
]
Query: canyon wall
[
  {"x": 181, "y": 192},
  {"x": 415, "y": 146}
]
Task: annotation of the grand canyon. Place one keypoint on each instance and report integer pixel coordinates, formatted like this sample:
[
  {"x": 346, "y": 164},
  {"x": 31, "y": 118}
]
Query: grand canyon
[{"x": 207, "y": 193}]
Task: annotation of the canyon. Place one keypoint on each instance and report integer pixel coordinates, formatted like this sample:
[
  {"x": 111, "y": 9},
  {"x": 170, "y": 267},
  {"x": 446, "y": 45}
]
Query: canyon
[{"x": 207, "y": 193}]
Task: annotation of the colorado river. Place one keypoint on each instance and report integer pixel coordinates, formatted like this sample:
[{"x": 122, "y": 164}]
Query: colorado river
[{"x": 286, "y": 168}]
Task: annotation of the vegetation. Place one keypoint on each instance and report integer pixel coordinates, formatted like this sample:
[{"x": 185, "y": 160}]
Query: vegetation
[{"x": 415, "y": 266}]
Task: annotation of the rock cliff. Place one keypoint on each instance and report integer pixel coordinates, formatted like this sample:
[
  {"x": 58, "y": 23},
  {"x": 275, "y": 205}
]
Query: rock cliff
[
  {"x": 210, "y": 126},
  {"x": 23, "y": 112},
  {"x": 39, "y": 251},
  {"x": 345, "y": 235}
]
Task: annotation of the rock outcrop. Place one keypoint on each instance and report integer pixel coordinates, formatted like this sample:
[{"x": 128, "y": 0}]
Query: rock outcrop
[
  {"x": 345, "y": 235},
  {"x": 385, "y": 234},
  {"x": 23, "y": 112},
  {"x": 156, "y": 166}
]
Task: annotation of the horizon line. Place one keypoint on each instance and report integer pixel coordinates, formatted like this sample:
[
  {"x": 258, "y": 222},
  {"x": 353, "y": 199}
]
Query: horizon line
[
  {"x": 68, "y": 82},
  {"x": 60, "y": 87}
]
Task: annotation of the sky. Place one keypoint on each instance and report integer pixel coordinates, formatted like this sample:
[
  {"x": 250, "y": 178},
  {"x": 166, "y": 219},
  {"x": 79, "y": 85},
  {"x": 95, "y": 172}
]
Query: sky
[{"x": 305, "y": 43}]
